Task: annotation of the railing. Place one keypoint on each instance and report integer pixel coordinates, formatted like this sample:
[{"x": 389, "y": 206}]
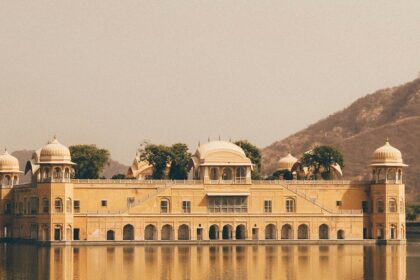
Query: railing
[
  {"x": 309, "y": 182},
  {"x": 135, "y": 181},
  {"x": 55, "y": 180}
]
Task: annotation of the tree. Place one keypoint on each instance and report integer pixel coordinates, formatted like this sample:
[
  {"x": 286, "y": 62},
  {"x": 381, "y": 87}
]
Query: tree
[
  {"x": 118, "y": 176},
  {"x": 90, "y": 160},
  {"x": 320, "y": 159},
  {"x": 281, "y": 174},
  {"x": 158, "y": 156},
  {"x": 254, "y": 154},
  {"x": 179, "y": 157}
]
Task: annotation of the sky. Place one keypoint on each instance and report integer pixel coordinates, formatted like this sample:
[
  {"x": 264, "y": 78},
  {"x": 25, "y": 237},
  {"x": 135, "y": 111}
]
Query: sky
[{"x": 116, "y": 73}]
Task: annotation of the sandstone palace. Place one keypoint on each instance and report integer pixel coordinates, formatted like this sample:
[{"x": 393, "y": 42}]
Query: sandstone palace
[{"x": 219, "y": 202}]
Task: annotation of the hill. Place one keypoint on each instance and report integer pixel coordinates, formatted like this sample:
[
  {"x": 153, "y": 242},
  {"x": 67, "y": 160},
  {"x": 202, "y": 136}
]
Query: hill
[
  {"x": 361, "y": 128},
  {"x": 23, "y": 156}
]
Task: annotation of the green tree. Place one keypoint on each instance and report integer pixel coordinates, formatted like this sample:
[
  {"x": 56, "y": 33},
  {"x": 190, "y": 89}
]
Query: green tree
[
  {"x": 179, "y": 157},
  {"x": 320, "y": 159},
  {"x": 284, "y": 174},
  {"x": 90, "y": 160},
  {"x": 157, "y": 156},
  {"x": 118, "y": 176},
  {"x": 254, "y": 154}
]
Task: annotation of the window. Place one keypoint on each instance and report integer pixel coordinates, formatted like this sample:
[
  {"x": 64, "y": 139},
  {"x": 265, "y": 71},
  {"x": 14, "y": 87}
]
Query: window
[
  {"x": 45, "y": 205},
  {"x": 338, "y": 203},
  {"x": 214, "y": 174},
  {"x": 392, "y": 206},
  {"x": 8, "y": 208},
  {"x": 104, "y": 203},
  {"x": 164, "y": 206},
  {"x": 290, "y": 205},
  {"x": 365, "y": 207},
  {"x": 380, "y": 206},
  {"x": 227, "y": 174},
  {"x": 34, "y": 205},
  {"x": 227, "y": 204},
  {"x": 68, "y": 205},
  {"x": 268, "y": 206},
  {"x": 186, "y": 206},
  {"x": 240, "y": 175},
  {"x": 76, "y": 206},
  {"x": 58, "y": 205},
  {"x": 130, "y": 202}
]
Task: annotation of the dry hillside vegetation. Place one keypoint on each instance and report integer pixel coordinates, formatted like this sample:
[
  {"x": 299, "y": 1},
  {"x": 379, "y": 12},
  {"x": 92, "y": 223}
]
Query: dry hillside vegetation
[{"x": 361, "y": 128}]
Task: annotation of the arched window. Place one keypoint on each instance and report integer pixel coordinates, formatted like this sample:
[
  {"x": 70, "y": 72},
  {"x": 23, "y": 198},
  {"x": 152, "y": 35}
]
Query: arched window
[
  {"x": 15, "y": 180},
  {"x": 164, "y": 206},
  {"x": 379, "y": 206},
  {"x": 45, "y": 205},
  {"x": 227, "y": 232},
  {"x": 128, "y": 232},
  {"x": 58, "y": 232},
  {"x": 7, "y": 180},
  {"x": 227, "y": 174},
  {"x": 393, "y": 232},
  {"x": 46, "y": 174},
  {"x": 240, "y": 175},
  {"x": 392, "y": 205},
  {"x": 150, "y": 232},
  {"x": 340, "y": 234},
  {"x": 110, "y": 235},
  {"x": 167, "y": 232},
  {"x": 303, "y": 232},
  {"x": 240, "y": 232},
  {"x": 270, "y": 231},
  {"x": 68, "y": 205},
  {"x": 67, "y": 173},
  {"x": 58, "y": 205},
  {"x": 286, "y": 232},
  {"x": 290, "y": 205},
  {"x": 184, "y": 232},
  {"x": 323, "y": 232},
  {"x": 57, "y": 173},
  {"x": 214, "y": 232},
  {"x": 214, "y": 174}
]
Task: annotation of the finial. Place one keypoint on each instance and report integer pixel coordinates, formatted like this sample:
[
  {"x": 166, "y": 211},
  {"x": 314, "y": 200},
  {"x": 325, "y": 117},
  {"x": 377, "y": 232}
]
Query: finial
[{"x": 208, "y": 139}]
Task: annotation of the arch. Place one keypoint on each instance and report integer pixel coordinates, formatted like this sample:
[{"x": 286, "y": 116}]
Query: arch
[
  {"x": 214, "y": 174},
  {"x": 227, "y": 232},
  {"x": 286, "y": 232},
  {"x": 67, "y": 173},
  {"x": 58, "y": 232},
  {"x": 167, "y": 232},
  {"x": 7, "y": 180},
  {"x": 399, "y": 175},
  {"x": 393, "y": 232},
  {"x": 214, "y": 232},
  {"x": 270, "y": 231},
  {"x": 58, "y": 205},
  {"x": 150, "y": 232},
  {"x": 241, "y": 232},
  {"x": 391, "y": 174},
  {"x": 110, "y": 235},
  {"x": 303, "y": 232},
  {"x": 240, "y": 174},
  {"x": 46, "y": 174},
  {"x": 323, "y": 231},
  {"x": 184, "y": 232},
  {"x": 227, "y": 174},
  {"x": 128, "y": 232},
  {"x": 69, "y": 233},
  {"x": 15, "y": 180},
  {"x": 340, "y": 234},
  {"x": 57, "y": 174}
]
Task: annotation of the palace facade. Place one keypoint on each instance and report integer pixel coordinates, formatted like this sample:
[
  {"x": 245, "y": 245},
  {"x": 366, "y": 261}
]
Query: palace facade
[{"x": 219, "y": 202}]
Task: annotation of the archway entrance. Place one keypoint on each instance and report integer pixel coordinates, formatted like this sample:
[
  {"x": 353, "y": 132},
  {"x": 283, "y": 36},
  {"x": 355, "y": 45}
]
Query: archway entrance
[
  {"x": 323, "y": 232},
  {"x": 270, "y": 232},
  {"x": 340, "y": 234},
  {"x": 214, "y": 232},
  {"x": 128, "y": 232},
  {"x": 240, "y": 232},
  {"x": 110, "y": 235},
  {"x": 286, "y": 232},
  {"x": 227, "y": 232},
  {"x": 167, "y": 232},
  {"x": 150, "y": 232},
  {"x": 184, "y": 232},
  {"x": 303, "y": 232}
]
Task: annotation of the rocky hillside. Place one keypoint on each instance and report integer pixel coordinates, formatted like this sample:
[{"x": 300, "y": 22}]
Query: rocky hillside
[
  {"x": 113, "y": 168},
  {"x": 361, "y": 128}
]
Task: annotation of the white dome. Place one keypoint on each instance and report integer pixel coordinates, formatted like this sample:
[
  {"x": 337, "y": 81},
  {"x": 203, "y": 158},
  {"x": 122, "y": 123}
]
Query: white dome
[
  {"x": 387, "y": 156},
  {"x": 221, "y": 153},
  {"x": 55, "y": 152},
  {"x": 8, "y": 163},
  {"x": 287, "y": 162}
]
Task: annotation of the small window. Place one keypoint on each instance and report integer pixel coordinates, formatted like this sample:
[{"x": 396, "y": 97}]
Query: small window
[
  {"x": 76, "y": 206},
  {"x": 214, "y": 174},
  {"x": 186, "y": 206},
  {"x": 130, "y": 202},
  {"x": 164, "y": 206},
  {"x": 45, "y": 205},
  {"x": 68, "y": 205},
  {"x": 290, "y": 205},
  {"x": 8, "y": 208},
  {"x": 380, "y": 206},
  {"x": 58, "y": 205},
  {"x": 392, "y": 206},
  {"x": 268, "y": 206},
  {"x": 365, "y": 206},
  {"x": 104, "y": 203},
  {"x": 338, "y": 203}
]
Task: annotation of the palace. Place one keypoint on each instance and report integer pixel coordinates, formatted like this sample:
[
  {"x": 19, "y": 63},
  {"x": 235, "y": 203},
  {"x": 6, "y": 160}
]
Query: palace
[{"x": 219, "y": 202}]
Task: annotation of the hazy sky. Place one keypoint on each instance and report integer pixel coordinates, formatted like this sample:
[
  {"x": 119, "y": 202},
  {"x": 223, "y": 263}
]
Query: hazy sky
[{"x": 115, "y": 73}]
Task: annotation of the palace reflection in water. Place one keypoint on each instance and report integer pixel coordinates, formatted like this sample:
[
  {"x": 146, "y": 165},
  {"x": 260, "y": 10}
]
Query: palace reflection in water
[{"x": 208, "y": 262}]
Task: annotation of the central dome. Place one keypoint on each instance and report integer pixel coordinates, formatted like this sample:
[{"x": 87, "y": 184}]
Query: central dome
[
  {"x": 8, "y": 163},
  {"x": 287, "y": 162},
  {"x": 222, "y": 153},
  {"x": 55, "y": 152},
  {"x": 387, "y": 155}
]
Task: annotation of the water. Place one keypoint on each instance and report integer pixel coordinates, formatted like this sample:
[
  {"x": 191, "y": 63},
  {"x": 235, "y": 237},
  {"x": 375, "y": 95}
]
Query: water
[{"x": 212, "y": 262}]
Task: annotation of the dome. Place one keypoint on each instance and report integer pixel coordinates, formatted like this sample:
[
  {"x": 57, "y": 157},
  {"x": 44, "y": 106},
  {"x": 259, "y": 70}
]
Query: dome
[
  {"x": 387, "y": 156},
  {"x": 55, "y": 152},
  {"x": 287, "y": 162},
  {"x": 221, "y": 153},
  {"x": 8, "y": 163}
]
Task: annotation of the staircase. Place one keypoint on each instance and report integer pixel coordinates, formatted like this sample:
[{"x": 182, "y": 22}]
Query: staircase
[
  {"x": 311, "y": 200},
  {"x": 149, "y": 196}
]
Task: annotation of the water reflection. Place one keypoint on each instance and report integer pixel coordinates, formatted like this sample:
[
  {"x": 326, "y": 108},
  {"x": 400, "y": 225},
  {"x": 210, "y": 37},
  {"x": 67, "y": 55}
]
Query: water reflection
[{"x": 205, "y": 262}]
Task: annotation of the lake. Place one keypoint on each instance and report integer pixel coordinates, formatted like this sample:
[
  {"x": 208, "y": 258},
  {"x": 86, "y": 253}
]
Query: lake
[{"x": 20, "y": 261}]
